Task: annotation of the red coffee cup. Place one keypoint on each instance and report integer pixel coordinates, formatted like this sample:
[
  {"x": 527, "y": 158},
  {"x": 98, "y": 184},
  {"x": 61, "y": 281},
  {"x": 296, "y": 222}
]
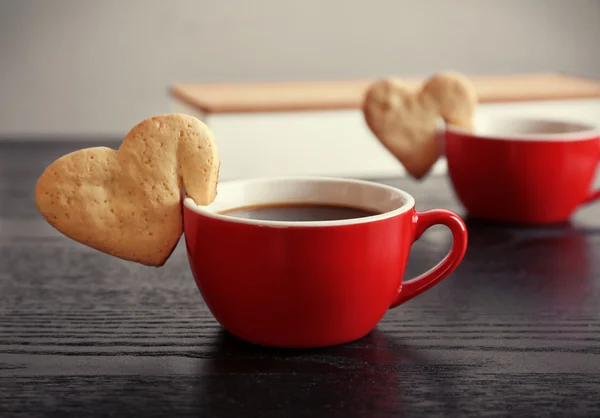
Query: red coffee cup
[
  {"x": 523, "y": 170},
  {"x": 310, "y": 284}
]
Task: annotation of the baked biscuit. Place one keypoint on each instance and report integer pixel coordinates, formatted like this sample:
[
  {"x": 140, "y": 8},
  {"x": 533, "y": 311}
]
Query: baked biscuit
[
  {"x": 405, "y": 121},
  {"x": 128, "y": 203}
]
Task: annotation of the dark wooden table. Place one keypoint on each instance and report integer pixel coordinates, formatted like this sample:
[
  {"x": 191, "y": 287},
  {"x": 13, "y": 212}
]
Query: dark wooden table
[{"x": 515, "y": 331}]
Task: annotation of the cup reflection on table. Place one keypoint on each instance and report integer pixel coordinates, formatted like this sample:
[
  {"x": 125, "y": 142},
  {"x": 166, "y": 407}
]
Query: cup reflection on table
[
  {"x": 526, "y": 268},
  {"x": 375, "y": 374}
]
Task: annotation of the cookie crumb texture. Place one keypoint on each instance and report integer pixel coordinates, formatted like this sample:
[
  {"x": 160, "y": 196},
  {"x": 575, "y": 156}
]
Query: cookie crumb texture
[
  {"x": 128, "y": 203},
  {"x": 405, "y": 121}
]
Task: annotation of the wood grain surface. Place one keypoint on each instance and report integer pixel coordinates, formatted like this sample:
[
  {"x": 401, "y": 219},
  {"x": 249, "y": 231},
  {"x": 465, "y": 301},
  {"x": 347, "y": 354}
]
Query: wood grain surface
[
  {"x": 515, "y": 331},
  {"x": 348, "y": 94}
]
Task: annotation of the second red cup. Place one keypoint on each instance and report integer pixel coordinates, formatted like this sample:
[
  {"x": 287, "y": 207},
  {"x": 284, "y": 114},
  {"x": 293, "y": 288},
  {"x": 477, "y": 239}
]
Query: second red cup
[{"x": 523, "y": 170}]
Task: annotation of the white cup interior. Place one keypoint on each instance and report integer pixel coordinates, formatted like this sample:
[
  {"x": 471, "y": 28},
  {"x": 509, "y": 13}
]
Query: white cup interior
[
  {"x": 531, "y": 129},
  {"x": 384, "y": 200}
]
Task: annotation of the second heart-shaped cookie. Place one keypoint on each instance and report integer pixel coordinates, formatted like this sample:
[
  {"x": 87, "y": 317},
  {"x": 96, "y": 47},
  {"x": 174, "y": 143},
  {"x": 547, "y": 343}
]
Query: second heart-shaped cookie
[
  {"x": 405, "y": 121},
  {"x": 128, "y": 202}
]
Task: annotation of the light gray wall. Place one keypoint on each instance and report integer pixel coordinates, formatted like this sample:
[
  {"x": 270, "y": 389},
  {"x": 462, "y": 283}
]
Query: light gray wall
[{"x": 99, "y": 66}]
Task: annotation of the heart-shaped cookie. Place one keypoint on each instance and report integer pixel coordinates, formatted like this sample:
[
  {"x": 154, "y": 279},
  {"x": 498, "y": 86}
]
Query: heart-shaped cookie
[
  {"x": 405, "y": 121},
  {"x": 128, "y": 203}
]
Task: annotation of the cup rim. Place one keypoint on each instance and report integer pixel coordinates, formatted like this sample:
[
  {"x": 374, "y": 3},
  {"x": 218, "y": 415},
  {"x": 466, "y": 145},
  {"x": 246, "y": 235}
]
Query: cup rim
[
  {"x": 409, "y": 203},
  {"x": 586, "y": 131}
]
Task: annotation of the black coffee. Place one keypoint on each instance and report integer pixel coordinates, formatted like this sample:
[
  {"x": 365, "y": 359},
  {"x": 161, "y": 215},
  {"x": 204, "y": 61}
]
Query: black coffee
[{"x": 298, "y": 212}]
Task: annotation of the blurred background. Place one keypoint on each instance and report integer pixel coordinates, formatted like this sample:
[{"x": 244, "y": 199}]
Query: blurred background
[{"x": 83, "y": 68}]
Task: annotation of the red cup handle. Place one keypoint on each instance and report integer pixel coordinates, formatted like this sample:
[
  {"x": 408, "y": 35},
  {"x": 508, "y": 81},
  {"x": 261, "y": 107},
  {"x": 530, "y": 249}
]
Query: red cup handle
[
  {"x": 594, "y": 195},
  {"x": 422, "y": 221}
]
